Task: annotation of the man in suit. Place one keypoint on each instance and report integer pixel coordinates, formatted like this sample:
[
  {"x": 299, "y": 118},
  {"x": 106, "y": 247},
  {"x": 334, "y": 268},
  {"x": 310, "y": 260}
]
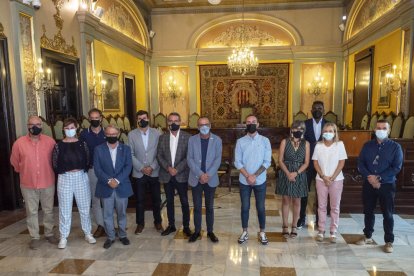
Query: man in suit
[
  {"x": 204, "y": 159},
  {"x": 172, "y": 158},
  {"x": 113, "y": 164},
  {"x": 313, "y": 134},
  {"x": 143, "y": 142}
]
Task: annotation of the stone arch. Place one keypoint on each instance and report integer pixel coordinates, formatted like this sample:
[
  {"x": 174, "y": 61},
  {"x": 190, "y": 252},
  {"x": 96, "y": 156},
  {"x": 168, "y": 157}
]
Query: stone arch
[{"x": 260, "y": 31}]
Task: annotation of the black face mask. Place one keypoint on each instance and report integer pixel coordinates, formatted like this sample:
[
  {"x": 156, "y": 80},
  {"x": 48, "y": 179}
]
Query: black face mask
[
  {"x": 95, "y": 123},
  {"x": 297, "y": 134},
  {"x": 317, "y": 114},
  {"x": 34, "y": 130},
  {"x": 143, "y": 124},
  {"x": 251, "y": 128},
  {"x": 111, "y": 139},
  {"x": 174, "y": 127}
]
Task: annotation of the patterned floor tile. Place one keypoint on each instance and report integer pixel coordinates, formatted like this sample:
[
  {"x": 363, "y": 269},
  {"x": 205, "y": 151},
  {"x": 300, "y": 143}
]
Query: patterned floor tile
[
  {"x": 281, "y": 271},
  {"x": 166, "y": 269},
  {"x": 72, "y": 266}
]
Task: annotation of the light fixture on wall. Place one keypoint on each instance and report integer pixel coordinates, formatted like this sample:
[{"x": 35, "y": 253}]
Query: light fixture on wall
[
  {"x": 97, "y": 96},
  {"x": 173, "y": 91},
  {"x": 41, "y": 83},
  {"x": 317, "y": 86},
  {"x": 242, "y": 59}
]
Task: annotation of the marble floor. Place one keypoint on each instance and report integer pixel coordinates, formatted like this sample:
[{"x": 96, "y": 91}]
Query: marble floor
[{"x": 151, "y": 254}]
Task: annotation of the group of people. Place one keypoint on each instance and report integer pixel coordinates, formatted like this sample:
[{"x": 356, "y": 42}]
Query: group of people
[{"x": 95, "y": 169}]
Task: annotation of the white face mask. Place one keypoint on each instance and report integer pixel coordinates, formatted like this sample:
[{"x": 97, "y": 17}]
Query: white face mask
[
  {"x": 70, "y": 132},
  {"x": 328, "y": 136},
  {"x": 381, "y": 134}
]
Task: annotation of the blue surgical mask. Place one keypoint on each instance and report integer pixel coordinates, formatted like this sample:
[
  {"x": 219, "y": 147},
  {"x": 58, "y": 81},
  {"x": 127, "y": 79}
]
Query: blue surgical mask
[
  {"x": 204, "y": 130},
  {"x": 70, "y": 132},
  {"x": 381, "y": 134},
  {"x": 328, "y": 136}
]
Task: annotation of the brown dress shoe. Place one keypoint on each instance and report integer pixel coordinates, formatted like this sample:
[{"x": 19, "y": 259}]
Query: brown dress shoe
[
  {"x": 100, "y": 232},
  {"x": 158, "y": 227},
  {"x": 139, "y": 229}
]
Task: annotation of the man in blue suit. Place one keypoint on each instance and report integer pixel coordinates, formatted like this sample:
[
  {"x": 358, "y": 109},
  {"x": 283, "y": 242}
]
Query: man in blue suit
[
  {"x": 204, "y": 159},
  {"x": 313, "y": 134},
  {"x": 113, "y": 164}
]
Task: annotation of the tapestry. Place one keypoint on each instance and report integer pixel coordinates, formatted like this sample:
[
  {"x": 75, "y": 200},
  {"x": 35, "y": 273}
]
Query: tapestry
[{"x": 224, "y": 96}]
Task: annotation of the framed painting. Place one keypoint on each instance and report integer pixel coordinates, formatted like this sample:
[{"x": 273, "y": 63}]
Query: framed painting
[
  {"x": 111, "y": 92},
  {"x": 383, "y": 95}
]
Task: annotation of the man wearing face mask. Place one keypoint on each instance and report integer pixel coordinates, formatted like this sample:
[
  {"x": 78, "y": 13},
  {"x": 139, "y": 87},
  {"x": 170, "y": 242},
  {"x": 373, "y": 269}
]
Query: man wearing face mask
[
  {"x": 113, "y": 164},
  {"x": 172, "y": 158},
  {"x": 313, "y": 134},
  {"x": 252, "y": 157},
  {"x": 143, "y": 142},
  {"x": 380, "y": 160},
  {"x": 31, "y": 157},
  {"x": 204, "y": 159},
  {"x": 94, "y": 136}
]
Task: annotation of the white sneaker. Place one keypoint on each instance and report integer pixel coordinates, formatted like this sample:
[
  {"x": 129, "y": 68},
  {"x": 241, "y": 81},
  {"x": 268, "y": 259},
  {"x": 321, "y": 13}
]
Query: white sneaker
[
  {"x": 90, "y": 239},
  {"x": 243, "y": 238},
  {"x": 263, "y": 238},
  {"x": 62, "y": 243},
  {"x": 320, "y": 236},
  {"x": 332, "y": 238}
]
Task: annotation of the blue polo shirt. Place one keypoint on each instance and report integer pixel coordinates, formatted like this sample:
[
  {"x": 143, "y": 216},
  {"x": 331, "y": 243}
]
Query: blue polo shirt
[
  {"x": 92, "y": 140},
  {"x": 383, "y": 159}
]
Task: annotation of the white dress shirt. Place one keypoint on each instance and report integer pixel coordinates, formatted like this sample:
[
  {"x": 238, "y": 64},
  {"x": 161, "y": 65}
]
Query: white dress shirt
[
  {"x": 113, "y": 153},
  {"x": 173, "y": 146},
  {"x": 317, "y": 128},
  {"x": 144, "y": 136}
]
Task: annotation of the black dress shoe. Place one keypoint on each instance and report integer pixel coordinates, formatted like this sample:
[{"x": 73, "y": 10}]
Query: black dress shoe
[
  {"x": 108, "y": 243},
  {"x": 125, "y": 241},
  {"x": 168, "y": 230},
  {"x": 212, "y": 237},
  {"x": 187, "y": 231},
  {"x": 194, "y": 237}
]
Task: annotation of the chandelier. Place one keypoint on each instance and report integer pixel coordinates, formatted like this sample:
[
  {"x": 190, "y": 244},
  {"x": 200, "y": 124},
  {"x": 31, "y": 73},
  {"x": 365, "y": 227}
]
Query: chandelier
[
  {"x": 317, "y": 87},
  {"x": 242, "y": 59},
  {"x": 41, "y": 83},
  {"x": 173, "y": 92},
  {"x": 393, "y": 81}
]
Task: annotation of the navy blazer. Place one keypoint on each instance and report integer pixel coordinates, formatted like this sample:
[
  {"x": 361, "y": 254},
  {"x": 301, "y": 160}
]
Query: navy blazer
[
  {"x": 213, "y": 159},
  {"x": 104, "y": 170}
]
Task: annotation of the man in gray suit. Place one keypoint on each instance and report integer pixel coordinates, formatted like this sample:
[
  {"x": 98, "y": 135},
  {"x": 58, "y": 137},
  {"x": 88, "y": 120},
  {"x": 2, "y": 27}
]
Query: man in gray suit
[
  {"x": 143, "y": 142},
  {"x": 204, "y": 159},
  {"x": 172, "y": 158}
]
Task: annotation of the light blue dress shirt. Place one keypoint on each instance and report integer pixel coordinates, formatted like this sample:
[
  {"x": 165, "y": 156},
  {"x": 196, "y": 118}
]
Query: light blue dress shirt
[
  {"x": 250, "y": 154},
  {"x": 144, "y": 136},
  {"x": 317, "y": 128}
]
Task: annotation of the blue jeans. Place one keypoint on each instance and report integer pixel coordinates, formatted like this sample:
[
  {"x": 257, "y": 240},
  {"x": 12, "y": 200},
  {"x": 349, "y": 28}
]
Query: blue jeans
[
  {"x": 209, "y": 203},
  {"x": 385, "y": 194},
  {"x": 182, "y": 189},
  {"x": 120, "y": 205},
  {"x": 260, "y": 195}
]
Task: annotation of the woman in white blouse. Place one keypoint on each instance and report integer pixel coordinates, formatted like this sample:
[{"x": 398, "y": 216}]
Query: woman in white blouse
[{"x": 329, "y": 159}]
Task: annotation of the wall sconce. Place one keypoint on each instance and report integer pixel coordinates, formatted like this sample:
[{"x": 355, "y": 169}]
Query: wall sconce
[
  {"x": 317, "y": 86},
  {"x": 97, "y": 97},
  {"x": 41, "y": 83},
  {"x": 394, "y": 82},
  {"x": 173, "y": 92}
]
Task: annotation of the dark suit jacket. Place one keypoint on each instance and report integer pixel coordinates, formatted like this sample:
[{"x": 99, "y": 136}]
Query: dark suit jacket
[
  {"x": 104, "y": 170},
  {"x": 310, "y": 137},
  {"x": 164, "y": 157}
]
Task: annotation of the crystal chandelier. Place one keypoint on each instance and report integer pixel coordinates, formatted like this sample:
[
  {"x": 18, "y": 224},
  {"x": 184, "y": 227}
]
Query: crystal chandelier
[
  {"x": 242, "y": 59},
  {"x": 41, "y": 83},
  {"x": 317, "y": 86},
  {"x": 173, "y": 92}
]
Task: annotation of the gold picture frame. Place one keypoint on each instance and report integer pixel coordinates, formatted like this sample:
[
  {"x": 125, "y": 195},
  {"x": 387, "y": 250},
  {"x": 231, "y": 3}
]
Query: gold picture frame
[
  {"x": 111, "y": 100},
  {"x": 383, "y": 95}
]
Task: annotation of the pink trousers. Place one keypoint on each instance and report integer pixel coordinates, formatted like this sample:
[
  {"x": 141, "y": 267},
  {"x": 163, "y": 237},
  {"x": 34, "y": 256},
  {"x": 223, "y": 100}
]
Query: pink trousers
[{"x": 334, "y": 191}]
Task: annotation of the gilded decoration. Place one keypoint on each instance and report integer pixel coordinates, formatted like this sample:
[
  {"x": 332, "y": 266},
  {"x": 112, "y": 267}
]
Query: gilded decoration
[
  {"x": 58, "y": 43},
  {"x": 405, "y": 70},
  {"x": 370, "y": 11},
  {"x": 309, "y": 71},
  {"x": 2, "y": 30},
  {"x": 28, "y": 60},
  {"x": 117, "y": 17},
  {"x": 223, "y": 96},
  {"x": 90, "y": 72}
]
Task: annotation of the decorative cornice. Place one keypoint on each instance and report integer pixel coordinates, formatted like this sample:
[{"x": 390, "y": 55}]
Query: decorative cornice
[
  {"x": 2, "y": 30},
  {"x": 58, "y": 43}
]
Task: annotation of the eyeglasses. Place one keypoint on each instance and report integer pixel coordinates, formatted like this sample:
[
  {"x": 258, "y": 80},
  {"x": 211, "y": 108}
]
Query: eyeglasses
[{"x": 375, "y": 162}]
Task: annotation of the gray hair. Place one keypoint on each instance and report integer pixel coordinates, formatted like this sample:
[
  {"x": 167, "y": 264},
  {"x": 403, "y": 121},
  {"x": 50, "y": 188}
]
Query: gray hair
[{"x": 114, "y": 127}]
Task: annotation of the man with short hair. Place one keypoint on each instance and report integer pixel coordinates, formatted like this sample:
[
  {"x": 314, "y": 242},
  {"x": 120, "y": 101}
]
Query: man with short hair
[
  {"x": 32, "y": 158},
  {"x": 204, "y": 159},
  {"x": 172, "y": 158},
  {"x": 252, "y": 157},
  {"x": 94, "y": 136},
  {"x": 313, "y": 134},
  {"x": 112, "y": 165},
  {"x": 143, "y": 142},
  {"x": 380, "y": 160}
]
